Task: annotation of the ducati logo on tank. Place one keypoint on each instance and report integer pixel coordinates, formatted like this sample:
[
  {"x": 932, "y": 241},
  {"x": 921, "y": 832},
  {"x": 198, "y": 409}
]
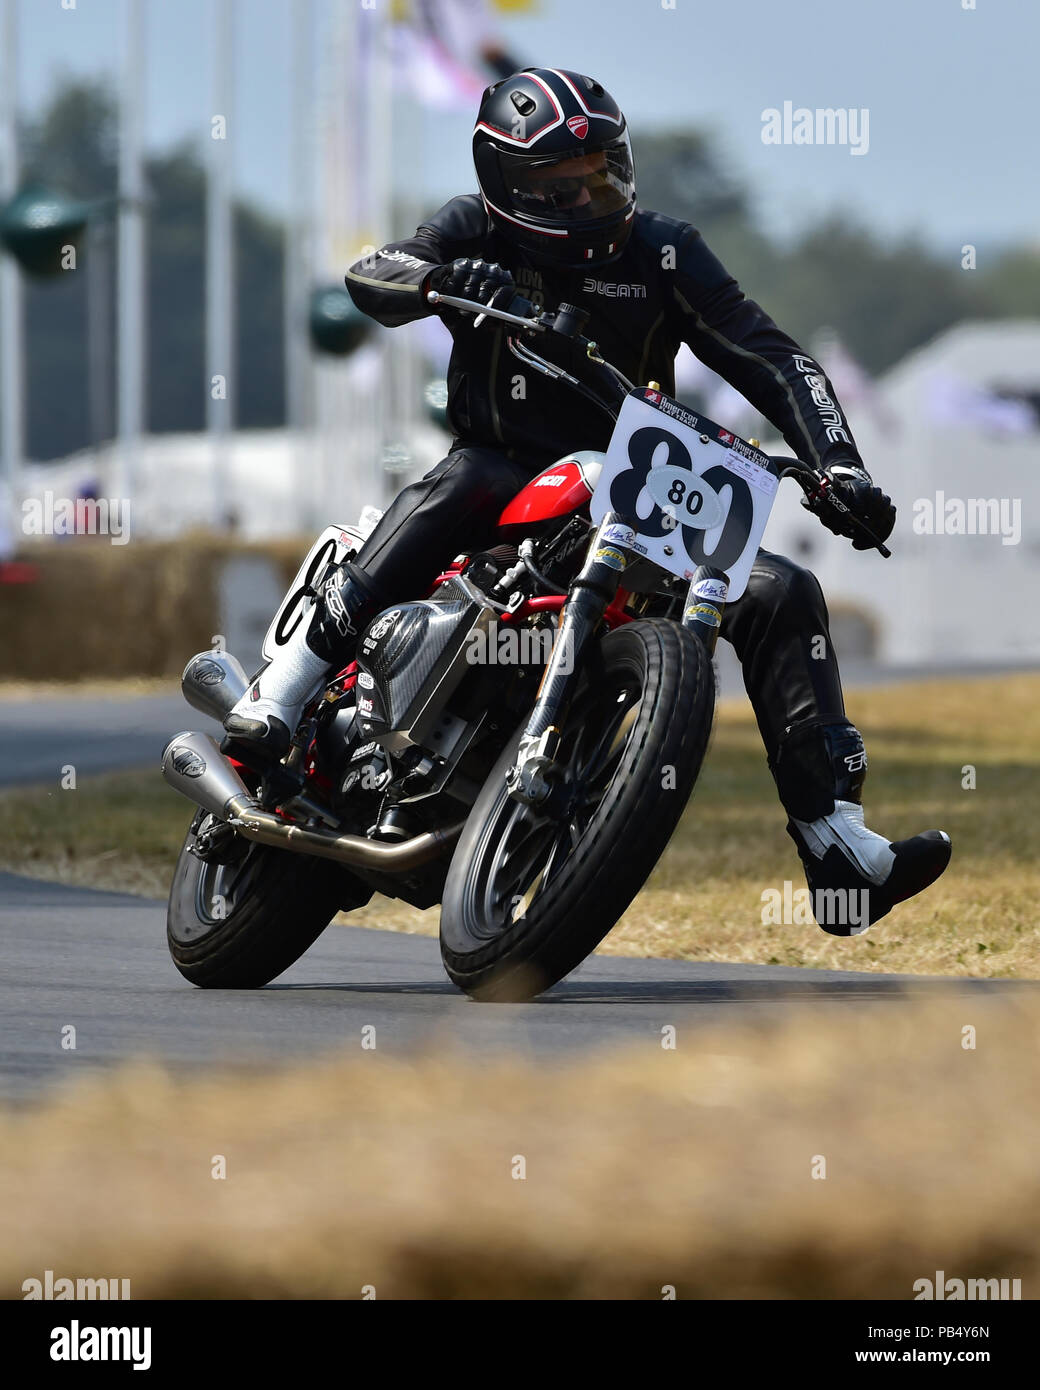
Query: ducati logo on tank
[{"x": 695, "y": 494}]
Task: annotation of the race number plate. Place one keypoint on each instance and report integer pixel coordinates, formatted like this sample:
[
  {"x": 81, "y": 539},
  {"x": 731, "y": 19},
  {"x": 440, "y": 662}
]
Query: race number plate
[
  {"x": 696, "y": 494},
  {"x": 333, "y": 545}
]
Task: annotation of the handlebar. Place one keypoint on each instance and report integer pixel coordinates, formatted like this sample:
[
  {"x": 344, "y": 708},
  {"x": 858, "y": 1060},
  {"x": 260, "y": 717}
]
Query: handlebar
[{"x": 568, "y": 321}]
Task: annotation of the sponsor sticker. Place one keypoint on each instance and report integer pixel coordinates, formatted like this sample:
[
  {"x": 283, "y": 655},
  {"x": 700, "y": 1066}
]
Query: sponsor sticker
[
  {"x": 620, "y": 535},
  {"x": 704, "y": 613},
  {"x": 382, "y": 625},
  {"x": 711, "y": 588},
  {"x": 672, "y": 408},
  {"x": 753, "y": 472},
  {"x": 609, "y": 556},
  {"x": 365, "y": 680},
  {"x": 578, "y": 126}
]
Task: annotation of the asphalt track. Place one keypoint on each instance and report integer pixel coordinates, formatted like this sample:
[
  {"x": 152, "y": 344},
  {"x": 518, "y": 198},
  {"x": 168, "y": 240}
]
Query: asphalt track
[
  {"x": 92, "y": 734},
  {"x": 98, "y": 961}
]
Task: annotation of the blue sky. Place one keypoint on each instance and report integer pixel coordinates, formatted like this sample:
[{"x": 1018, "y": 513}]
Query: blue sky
[{"x": 951, "y": 94}]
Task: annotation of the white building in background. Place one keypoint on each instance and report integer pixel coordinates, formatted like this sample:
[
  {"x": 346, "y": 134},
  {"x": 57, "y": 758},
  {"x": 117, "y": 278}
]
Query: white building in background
[
  {"x": 278, "y": 482},
  {"x": 935, "y": 424}
]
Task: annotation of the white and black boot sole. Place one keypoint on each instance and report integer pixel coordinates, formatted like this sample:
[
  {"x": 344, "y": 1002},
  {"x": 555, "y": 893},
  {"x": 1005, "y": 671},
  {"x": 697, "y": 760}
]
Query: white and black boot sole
[{"x": 855, "y": 876}]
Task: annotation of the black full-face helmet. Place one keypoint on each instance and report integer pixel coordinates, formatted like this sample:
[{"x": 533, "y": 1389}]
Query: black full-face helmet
[{"x": 554, "y": 166}]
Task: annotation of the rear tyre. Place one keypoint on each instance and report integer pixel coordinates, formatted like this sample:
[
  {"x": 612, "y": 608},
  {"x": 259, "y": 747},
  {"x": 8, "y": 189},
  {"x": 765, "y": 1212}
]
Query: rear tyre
[
  {"x": 239, "y": 925},
  {"x": 530, "y": 894}
]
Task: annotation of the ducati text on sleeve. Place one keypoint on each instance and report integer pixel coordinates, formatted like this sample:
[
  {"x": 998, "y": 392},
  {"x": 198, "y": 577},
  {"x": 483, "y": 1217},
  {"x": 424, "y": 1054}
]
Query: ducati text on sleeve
[{"x": 828, "y": 409}]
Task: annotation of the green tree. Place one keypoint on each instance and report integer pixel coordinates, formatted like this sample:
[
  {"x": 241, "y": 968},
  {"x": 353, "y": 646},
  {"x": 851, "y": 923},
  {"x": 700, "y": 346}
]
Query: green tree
[
  {"x": 1011, "y": 287},
  {"x": 884, "y": 299}
]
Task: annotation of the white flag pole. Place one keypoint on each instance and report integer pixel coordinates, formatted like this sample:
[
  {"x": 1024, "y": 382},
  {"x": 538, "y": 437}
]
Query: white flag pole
[
  {"x": 299, "y": 256},
  {"x": 131, "y": 293},
  {"x": 220, "y": 267},
  {"x": 12, "y": 384}
]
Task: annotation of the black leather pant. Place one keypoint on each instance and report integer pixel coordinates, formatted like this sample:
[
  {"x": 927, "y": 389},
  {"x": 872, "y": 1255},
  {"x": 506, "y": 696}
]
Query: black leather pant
[{"x": 778, "y": 626}]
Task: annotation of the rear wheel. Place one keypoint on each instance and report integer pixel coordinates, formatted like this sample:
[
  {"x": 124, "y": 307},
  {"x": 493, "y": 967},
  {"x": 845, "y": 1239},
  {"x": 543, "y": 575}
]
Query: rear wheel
[
  {"x": 239, "y": 924},
  {"x": 530, "y": 892}
]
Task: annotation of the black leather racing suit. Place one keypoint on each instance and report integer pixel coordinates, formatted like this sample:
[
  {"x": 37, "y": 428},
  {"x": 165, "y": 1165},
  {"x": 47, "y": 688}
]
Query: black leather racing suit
[{"x": 666, "y": 288}]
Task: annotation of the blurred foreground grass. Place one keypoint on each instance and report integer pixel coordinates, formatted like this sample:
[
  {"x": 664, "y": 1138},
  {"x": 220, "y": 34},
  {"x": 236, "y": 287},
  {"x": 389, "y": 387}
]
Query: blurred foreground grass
[
  {"x": 705, "y": 899},
  {"x": 824, "y": 1151}
]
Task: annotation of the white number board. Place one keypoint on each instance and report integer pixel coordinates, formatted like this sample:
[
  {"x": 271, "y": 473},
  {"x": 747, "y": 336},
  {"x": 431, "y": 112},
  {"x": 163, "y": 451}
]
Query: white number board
[
  {"x": 696, "y": 494},
  {"x": 333, "y": 545}
]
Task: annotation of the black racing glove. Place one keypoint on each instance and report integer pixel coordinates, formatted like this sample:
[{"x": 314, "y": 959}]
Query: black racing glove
[
  {"x": 853, "y": 485},
  {"x": 470, "y": 279}
]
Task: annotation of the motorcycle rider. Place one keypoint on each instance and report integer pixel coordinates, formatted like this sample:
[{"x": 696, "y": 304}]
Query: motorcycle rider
[{"x": 557, "y": 220}]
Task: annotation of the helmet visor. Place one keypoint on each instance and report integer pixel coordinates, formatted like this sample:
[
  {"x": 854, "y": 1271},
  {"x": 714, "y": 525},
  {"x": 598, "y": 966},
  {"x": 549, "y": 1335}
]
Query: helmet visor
[{"x": 572, "y": 188}]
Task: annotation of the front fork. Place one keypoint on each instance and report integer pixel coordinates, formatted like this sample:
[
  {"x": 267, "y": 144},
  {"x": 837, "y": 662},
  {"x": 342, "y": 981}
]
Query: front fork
[
  {"x": 611, "y": 550},
  {"x": 705, "y": 604},
  {"x": 530, "y": 778}
]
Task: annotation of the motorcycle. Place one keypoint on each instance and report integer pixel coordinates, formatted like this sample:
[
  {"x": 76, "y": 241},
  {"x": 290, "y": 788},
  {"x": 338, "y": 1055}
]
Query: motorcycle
[{"x": 519, "y": 744}]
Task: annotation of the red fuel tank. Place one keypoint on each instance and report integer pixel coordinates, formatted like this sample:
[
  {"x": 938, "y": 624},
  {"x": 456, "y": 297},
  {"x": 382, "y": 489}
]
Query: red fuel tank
[{"x": 563, "y": 488}]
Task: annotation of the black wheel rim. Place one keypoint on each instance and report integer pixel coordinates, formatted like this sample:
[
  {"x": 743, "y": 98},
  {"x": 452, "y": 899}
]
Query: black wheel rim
[
  {"x": 221, "y": 888},
  {"x": 524, "y": 849}
]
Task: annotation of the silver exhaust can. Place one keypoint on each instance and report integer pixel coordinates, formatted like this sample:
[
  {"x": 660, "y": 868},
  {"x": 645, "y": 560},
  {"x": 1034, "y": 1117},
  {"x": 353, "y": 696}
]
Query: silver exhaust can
[
  {"x": 213, "y": 682},
  {"x": 194, "y": 766}
]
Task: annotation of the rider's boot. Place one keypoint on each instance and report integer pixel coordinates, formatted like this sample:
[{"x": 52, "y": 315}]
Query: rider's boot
[
  {"x": 855, "y": 876},
  {"x": 260, "y": 727}
]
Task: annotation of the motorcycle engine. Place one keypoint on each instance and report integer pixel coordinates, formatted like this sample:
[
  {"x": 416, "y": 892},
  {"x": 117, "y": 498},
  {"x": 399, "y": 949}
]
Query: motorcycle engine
[{"x": 405, "y": 653}]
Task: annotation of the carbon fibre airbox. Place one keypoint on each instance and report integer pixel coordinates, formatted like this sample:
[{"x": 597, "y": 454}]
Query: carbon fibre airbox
[{"x": 410, "y": 660}]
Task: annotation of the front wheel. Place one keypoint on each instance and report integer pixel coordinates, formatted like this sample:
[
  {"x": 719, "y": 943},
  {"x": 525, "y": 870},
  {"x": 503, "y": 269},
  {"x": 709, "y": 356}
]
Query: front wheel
[{"x": 531, "y": 892}]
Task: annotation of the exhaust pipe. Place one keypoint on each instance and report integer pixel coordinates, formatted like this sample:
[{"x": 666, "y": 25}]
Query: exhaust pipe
[
  {"x": 194, "y": 766},
  {"x": 213, "y": 682}
]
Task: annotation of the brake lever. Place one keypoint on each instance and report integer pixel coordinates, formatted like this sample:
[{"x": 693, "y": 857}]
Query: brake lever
[
  {"x": 484, "y": 311},
  {"x": 513, "y": 299}
]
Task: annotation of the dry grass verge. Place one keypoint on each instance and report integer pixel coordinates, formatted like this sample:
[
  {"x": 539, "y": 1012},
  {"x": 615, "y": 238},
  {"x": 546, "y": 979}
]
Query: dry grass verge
[{"x": 691, "y": 1168}]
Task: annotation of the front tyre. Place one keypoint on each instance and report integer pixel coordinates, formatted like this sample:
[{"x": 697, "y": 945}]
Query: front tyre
[
  {"x": 530, "y": 893},
  {"x": 238, "y": 925}
]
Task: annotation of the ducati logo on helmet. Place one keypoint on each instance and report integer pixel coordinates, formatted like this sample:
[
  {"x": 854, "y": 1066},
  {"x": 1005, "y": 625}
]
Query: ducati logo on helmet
[{"x": 578, "y": 126}]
